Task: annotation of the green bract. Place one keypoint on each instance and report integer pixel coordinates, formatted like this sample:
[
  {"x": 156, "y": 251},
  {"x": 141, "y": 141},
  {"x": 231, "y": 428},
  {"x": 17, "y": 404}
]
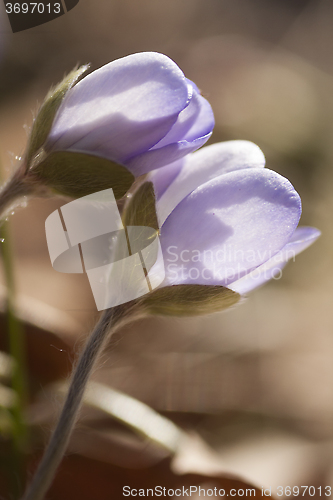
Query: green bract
[
  {"x": 80, "y": 174},
  {"x": 140, "y": 209},
  {"x": 189, "y": 300},
  {"x": 46, "y": 114}
]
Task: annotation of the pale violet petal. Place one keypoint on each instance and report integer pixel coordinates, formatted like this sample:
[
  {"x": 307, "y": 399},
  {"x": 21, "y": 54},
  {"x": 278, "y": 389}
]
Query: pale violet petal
[
  {"x": 192, "y": 130},
  {"x": 302, "y": 238},
  {"x": 157, "y": 158},
  {"x": 229, "y": 226},
  {"x": 204, "y": 165},
  {"x": 196, "y": 120},
  {"x": 163, "y": 177}
]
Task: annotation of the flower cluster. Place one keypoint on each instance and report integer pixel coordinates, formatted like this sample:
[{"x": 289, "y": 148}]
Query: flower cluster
[
  {"x": 224, "y": 219},
  {"x": 226, "y": 223}
]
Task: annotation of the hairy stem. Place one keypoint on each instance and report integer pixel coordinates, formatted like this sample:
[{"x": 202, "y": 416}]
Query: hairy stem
[
  {"x": 110, "y": 320},
  {"x": 13, "y": 189}
]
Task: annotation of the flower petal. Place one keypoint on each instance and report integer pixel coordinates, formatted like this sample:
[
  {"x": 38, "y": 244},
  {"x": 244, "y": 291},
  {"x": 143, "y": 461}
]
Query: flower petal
[
  {"x": 192, "y": 129},
  {"x": 157, "y": 158},
  {"x": 196, "y": 120},
  {"x": 122, "y": 109},
  {"x": 198, "y": 168},
  {"x": 163, "y": 177},
  {"x": 301, "y": 239},
  {"x": 229, "y": 226}
]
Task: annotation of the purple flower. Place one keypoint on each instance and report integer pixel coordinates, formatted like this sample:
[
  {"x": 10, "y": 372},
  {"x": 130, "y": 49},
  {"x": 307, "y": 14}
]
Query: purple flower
[
  {"x": 226, "y": 220},
  {"x": 139, "y": 111}
]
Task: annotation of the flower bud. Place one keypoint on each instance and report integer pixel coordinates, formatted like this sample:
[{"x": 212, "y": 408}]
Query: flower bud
[{"x": 131, "y": 116}]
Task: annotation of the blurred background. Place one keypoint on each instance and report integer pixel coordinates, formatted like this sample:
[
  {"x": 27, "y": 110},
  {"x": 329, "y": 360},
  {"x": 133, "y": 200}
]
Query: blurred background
[{"x": 252, "y": 388}]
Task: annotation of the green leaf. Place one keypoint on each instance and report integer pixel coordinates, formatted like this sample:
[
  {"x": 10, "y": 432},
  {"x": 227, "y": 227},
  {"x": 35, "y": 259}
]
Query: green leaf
[
  {"x": 44, "y": 119},
  {"x": 189, "y": 300},
  {"x": 79, "y": 174},
  {"x": 141, "y": 210}
]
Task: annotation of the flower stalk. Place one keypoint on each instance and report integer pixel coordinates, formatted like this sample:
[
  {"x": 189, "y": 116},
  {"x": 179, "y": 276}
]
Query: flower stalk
[
  {"x": 14, "y": 188},
  {"x": 109, "y": 322},
  {"x": 21, "y": 184}
]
